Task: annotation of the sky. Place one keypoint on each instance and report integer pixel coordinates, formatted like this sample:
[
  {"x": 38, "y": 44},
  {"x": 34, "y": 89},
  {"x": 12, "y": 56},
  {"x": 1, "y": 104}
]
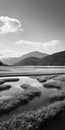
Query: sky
[{"x": 31, "y": 25}]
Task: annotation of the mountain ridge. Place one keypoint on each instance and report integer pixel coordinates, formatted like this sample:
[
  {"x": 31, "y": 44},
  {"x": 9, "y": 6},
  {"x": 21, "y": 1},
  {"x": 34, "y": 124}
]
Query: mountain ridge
[
  {"x": 15, "y": 60},
  {"x": 55, "y": 59},
  {"x": 41, "y": 59}
]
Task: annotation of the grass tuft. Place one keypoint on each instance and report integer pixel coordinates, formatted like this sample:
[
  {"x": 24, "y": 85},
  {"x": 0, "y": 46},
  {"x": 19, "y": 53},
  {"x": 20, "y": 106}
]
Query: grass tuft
[
  {"x": 54, "y": 84},
  {"x": 34, "y": 120},
  {"x": 5, "y": 87},
  {"x": 2, "y": 81},
  {"x": 42, "y": 79},
  {"x": 17, "y": 99}
]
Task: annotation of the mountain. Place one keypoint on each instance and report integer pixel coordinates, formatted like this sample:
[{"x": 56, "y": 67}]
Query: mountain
[
  {"x": 54, "y": 59},
  {"x": 1, "y": 64},
  {"x": 10, "y": 60},
  {"x": 29, "y": 61},
  {"x": 15, "y": 60},
  {"x": 37, "y": 58}
]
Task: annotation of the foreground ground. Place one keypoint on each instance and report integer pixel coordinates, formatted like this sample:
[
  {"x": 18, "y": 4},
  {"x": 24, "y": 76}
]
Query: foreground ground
[
  {"x": 37, "y": 120},
  {"x": 45, "y": 92}
]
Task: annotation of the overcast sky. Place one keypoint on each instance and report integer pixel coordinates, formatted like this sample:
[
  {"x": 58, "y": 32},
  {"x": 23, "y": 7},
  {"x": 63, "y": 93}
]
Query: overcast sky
[{"x": 31, "y": 25}]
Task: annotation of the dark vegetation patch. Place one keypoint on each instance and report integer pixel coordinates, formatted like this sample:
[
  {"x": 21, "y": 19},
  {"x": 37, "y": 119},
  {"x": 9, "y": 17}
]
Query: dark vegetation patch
[
  {"x": 60, "y": 77},
  {"x": 25, "y": 86},
  {"x": 45, "y": 78},
  {"x": 56, "y": 59},
  {"x": 5, "y": 87},
  {"x": 56, "y": 84},
  {"x": 35, "y": 120},
  {"x": 31, "y": 92},
  {"x": 2, "y": 81},
  {"x": 58, "y": 96}
]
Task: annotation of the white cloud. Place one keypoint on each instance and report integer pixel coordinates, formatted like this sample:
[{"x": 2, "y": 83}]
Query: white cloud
[
  {"x": 45, "y": 45},
  {"x": 9, "y": 25},
  {"x": 10, "y": 53},
  {"x": 36, "y": 44},
  {"x": 7, "y": 53},
  {"x": 28, "y": 46},
  {"x": 49, "y": 44}
]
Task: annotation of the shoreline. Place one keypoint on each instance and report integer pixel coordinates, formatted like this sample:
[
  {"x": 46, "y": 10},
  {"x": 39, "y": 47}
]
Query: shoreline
[{"x": 28, "y": 74}]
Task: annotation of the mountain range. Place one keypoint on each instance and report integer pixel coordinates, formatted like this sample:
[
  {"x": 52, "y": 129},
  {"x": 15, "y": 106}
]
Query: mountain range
[
  {"x": 32, "y": 55},
  {"x": 37, "y": 59},
  {"x": 56, "y": 59}
]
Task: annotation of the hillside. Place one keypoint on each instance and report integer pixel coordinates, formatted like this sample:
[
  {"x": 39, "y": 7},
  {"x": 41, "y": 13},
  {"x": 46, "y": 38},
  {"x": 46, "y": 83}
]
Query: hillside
[
  {"x": 31, "y": 61},
  {"x": 14, "y": 60},
  {"x": 1, "y": 64},
  {"x": 54, "y": 59},
  {"x": 37, "y": 58}
]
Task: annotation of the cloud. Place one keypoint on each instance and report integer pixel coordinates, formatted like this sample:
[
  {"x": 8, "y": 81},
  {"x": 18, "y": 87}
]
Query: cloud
[
  {"x": 10, "y": 53},
  {"x": 9, "y": 25},
  {"x": 7, "y": 53},
  {"x": 50, "y": 47},
  {"x": 52, "y": 43},
  {"x": 36, "y": 44},
  {"x": 45, "y": 45},
  {"x": 28, "y": 46}
]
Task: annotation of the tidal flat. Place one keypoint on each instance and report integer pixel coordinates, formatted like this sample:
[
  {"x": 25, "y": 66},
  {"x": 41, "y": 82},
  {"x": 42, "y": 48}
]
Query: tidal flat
[{"x": 32, "y": 102}]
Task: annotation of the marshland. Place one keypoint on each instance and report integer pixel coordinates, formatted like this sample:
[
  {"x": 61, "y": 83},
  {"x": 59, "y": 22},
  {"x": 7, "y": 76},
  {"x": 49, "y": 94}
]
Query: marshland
[{"x": 31, "y": 98}]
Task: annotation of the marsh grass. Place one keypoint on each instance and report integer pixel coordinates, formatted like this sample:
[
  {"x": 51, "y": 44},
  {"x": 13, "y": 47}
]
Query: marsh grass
[
  {"x": 30, "y": 91},
  {"x": 42, "y": 79},
  {"x": 2, "y": 81},
  {"x": 17, "y": 99},
  {"x": 35, "y": 120},
  {"x": 25, "y": 86},
  {"x": 60, "y": 77},
  {"x": 5, "y": 87},
  {"x": 12, "y": 103},
  {"x": 58, "y": 96},
  {"x": 56, "y": 84}
]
